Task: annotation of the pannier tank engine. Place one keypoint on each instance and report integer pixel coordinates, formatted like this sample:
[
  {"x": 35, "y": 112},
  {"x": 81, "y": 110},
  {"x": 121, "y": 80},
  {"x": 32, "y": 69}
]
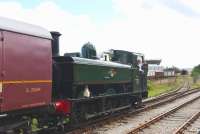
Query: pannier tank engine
[{"x": 40, "y": 90}]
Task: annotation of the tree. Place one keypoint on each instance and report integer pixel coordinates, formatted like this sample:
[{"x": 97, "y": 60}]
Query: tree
[{"x": 196, "y": 73}]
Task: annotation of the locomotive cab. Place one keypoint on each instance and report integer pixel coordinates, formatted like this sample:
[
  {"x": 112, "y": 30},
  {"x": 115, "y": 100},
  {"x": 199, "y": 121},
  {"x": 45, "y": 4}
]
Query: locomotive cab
[{"x": 136, "y": 60}]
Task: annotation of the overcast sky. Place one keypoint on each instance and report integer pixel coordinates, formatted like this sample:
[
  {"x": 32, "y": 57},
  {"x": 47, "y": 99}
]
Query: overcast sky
[{"x": 161, "y": 29}]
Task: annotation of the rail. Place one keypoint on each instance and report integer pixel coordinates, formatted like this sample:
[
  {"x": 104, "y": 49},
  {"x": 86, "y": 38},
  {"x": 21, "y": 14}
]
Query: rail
[
  {"x": 159, "y": 117},
  {"x": 187, "y": 123}
]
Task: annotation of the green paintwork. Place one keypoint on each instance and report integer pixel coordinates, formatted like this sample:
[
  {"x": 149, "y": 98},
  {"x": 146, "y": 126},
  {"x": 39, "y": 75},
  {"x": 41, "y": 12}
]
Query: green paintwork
[
  {"x": 135, "y": 77},
  {"x": 95, "y": 74}
]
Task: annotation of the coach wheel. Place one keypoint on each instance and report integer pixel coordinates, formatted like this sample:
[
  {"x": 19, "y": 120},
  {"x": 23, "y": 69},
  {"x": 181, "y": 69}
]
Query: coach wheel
[
  {"x": 22, "y": 131},
  {"x": 18, "y": 131}
]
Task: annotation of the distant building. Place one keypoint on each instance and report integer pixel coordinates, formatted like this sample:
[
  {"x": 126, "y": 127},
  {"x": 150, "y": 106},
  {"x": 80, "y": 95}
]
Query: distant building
[
  {"x": 168, "y": 72},
  {"x": 155, "y": 71}
]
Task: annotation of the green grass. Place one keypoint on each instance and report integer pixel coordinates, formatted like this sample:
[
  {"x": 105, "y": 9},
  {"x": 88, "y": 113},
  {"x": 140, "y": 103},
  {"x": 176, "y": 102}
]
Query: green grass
[
  {"x": 156, "y": 88},
  {"x": 196, "y": 85}
]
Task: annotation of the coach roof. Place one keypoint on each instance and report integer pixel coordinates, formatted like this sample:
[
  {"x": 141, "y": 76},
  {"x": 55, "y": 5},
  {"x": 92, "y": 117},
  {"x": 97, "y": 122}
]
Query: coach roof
[{"x": 24, "y": 28}]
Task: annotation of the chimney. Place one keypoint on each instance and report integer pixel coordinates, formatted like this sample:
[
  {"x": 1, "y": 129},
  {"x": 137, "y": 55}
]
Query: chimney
[{"x": 55, "y": 43}]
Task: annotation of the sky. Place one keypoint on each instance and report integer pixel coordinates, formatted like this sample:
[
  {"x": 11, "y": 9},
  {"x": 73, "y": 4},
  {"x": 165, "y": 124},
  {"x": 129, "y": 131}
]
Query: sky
[{"x": 160, "y": 29}]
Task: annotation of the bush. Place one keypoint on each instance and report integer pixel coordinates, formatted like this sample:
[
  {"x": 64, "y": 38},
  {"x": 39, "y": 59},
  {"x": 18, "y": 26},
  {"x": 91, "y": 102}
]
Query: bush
[{"x": 196, "y": 73}]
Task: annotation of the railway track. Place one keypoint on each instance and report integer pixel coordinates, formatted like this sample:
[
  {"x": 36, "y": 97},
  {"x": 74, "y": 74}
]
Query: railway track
[
  {"x": 126, "y": 124},
  {"x": 184, "y": 126},
  {"x": 173, "y": 120},
  {"x": 119, "y": 117}
]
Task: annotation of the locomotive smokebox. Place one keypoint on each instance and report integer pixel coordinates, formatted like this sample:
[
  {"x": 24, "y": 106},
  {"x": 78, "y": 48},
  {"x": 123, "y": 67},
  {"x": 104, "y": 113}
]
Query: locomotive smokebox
[{"x": 55, "y": 43}]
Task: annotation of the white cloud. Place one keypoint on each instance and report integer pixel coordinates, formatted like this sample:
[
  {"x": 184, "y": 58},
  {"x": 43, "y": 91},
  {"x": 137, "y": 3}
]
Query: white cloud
[
  {"x": 156, "y": 30},
  {"x": 75, "y": 30},
  {"x": 194, "y": 4},
  {"x": 142, "y": 26}
]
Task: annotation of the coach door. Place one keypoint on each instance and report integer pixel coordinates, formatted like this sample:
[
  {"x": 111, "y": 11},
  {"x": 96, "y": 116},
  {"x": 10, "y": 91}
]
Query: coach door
[{"x": 1, "y": 68}]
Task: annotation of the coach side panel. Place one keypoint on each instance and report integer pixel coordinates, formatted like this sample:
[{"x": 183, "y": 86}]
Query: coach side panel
[
  {"x": 1, "y": 67},
  {"x": 28, "y": 72}
]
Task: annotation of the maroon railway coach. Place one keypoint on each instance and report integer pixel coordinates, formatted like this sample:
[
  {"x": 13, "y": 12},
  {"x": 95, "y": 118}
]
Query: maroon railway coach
[{"x": 25, "y": 65}]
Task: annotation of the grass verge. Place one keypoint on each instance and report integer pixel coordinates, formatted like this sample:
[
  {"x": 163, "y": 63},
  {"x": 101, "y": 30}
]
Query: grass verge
[
  {"x": 196, "y": 85},
  {"x": 158, "y": 87}
]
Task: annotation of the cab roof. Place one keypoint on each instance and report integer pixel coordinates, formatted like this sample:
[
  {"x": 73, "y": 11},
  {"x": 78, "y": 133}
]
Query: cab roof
[{"x": 23, "y": 28}]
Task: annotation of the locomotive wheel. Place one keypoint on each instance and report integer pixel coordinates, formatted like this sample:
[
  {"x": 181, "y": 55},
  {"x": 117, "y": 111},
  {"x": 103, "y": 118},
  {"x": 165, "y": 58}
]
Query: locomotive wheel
[
  {"x": 78, "y": 115},
  {"x": 109, "y": 106}
]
